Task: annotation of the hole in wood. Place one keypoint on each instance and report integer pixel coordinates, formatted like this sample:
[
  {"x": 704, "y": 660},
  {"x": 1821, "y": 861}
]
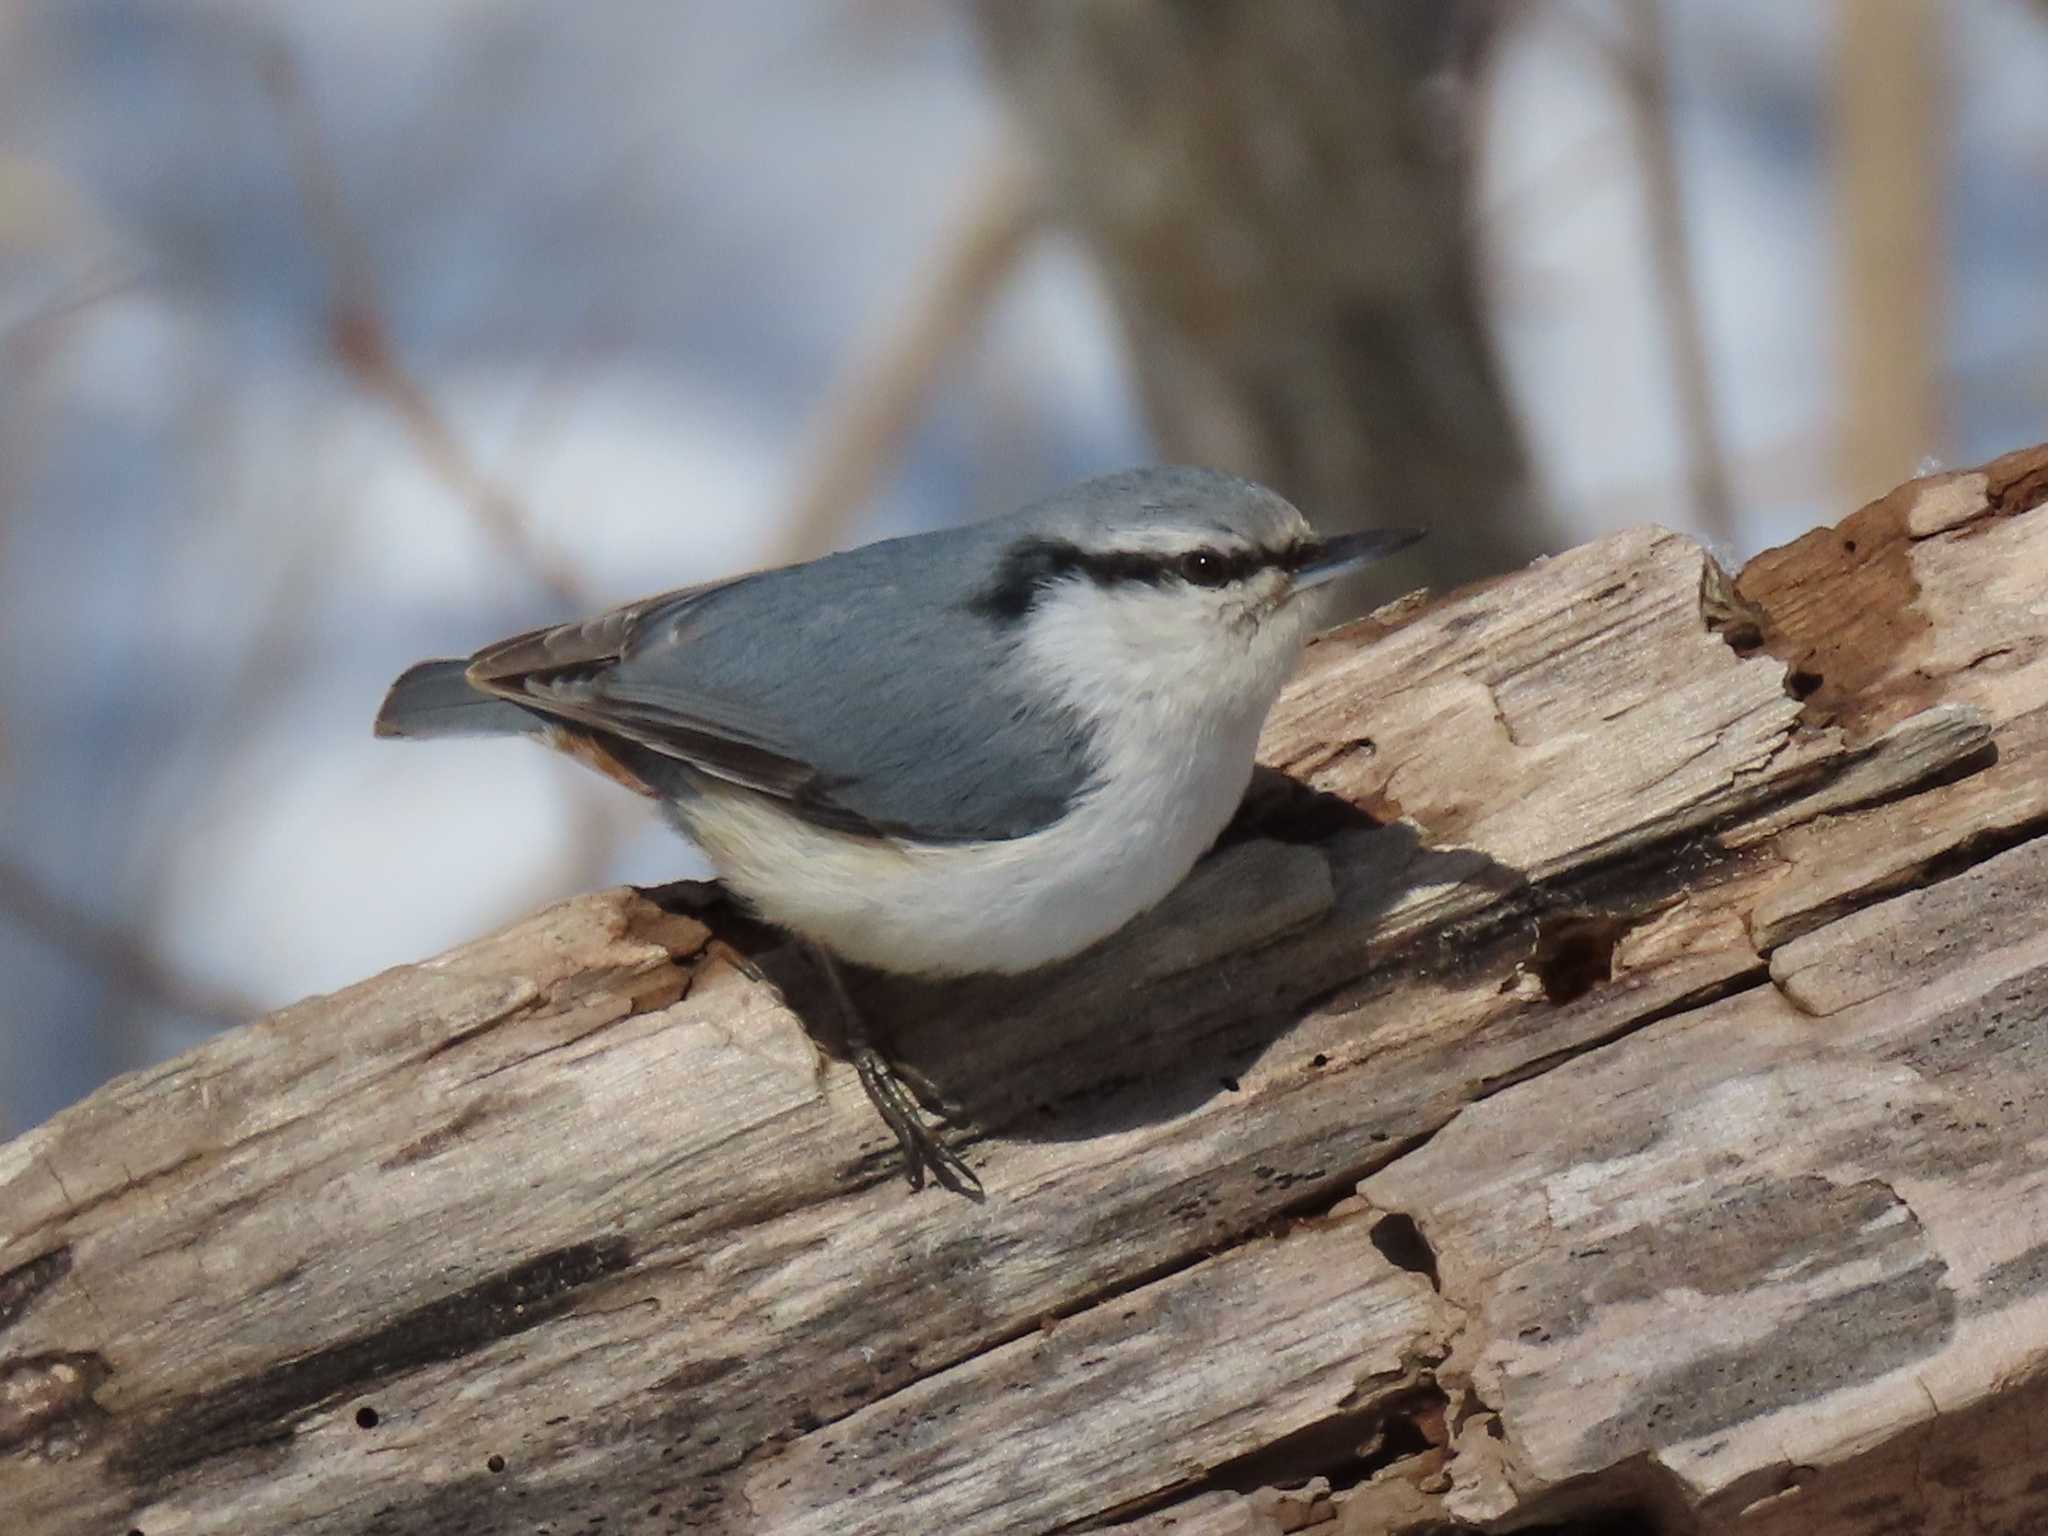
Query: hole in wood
[
  {"x": 1803, "y": 685},
  {"x": 1575, "y": 954},
  {"x": 1402, "y": 1245},
  {"x": 494, "y": 1463},
  {"x": 1727, "y": 613},
  {"x": 1401, "y": 1436},
  {"x": 366, "y": 1417},
  {"x": 1347, "y": 1448}
]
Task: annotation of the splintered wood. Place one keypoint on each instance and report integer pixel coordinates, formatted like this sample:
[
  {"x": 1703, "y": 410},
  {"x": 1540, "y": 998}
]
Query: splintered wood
[{"x": 1615, "y": 1088}]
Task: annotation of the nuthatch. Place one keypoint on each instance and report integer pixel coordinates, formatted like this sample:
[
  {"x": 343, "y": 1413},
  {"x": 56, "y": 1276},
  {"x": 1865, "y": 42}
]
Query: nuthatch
[{"x": 978, "y": 750}]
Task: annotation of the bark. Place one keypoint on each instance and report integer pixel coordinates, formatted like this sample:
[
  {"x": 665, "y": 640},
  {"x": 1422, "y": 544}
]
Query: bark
[
  {"x": 1279, "y": 196},
  {"x": 1609, "y": 1085}
]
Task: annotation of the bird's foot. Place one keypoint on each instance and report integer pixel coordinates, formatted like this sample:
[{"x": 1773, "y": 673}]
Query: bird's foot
[
  {"x": 931, "y": 1098},
  {"x": 898, "y": 1092},
  {"x": 897, "y": 1095}
]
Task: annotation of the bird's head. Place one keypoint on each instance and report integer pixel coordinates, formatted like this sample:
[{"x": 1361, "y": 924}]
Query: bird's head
[{"x": 1169, "y": 579}]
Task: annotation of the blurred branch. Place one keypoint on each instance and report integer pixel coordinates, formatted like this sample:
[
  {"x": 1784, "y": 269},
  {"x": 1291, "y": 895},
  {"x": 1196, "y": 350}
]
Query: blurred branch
[
  {"x": 1644, "y": 66},
  {"x": 111, "y": 952},
  {"x": 882, "y": 393},
  {"x": 1793, "y": 466},
  {"x": 1889, "y": 117},
  {"x": 29, "y": 341},
  {"x": 1280, "y": 198},
  {"x": 362, "y": 342}
]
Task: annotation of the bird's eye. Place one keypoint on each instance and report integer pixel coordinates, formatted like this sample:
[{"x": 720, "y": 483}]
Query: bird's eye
[{"x": 1204, "y": 567}]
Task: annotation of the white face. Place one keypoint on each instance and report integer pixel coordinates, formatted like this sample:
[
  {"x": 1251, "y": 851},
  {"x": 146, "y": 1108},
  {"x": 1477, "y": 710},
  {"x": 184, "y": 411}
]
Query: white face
[{"x": 1209, "y": 649}]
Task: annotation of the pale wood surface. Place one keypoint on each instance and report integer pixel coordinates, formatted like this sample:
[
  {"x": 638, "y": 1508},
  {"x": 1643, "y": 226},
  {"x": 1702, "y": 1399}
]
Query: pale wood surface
[{"x": 1646, "y": 1121}]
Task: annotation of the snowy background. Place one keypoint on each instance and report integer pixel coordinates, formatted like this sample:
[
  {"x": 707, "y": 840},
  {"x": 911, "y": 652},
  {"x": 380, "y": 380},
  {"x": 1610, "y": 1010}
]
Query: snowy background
[{"x": 625, "y": 255}]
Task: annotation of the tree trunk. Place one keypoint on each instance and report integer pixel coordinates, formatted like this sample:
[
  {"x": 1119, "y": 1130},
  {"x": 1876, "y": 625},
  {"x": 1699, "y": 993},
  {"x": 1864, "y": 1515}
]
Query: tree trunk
[
  {"x": 1645, "y": 1120},
  {"x": 1279, "y": 196}
]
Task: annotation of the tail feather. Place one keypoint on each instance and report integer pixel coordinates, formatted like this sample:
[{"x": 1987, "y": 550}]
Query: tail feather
[{"x": 435, "y": 698}]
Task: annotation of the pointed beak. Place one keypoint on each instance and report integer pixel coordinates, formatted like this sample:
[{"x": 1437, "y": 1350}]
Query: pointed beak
[{"x": 1343, "y": 553}]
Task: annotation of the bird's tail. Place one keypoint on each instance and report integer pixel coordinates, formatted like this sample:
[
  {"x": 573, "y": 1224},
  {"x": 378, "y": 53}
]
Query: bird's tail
[{"x": 435, "y": 698}]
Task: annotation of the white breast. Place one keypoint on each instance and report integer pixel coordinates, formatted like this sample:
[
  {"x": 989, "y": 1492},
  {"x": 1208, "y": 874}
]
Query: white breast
[{"x": 1177, "y": 699}]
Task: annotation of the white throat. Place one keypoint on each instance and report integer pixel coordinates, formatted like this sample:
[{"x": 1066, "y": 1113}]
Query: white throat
[{"x": 1177, "y": 686}]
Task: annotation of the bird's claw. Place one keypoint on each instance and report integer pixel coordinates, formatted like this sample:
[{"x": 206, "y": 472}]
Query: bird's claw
[
  {"x": 931, "y": 1098},
  {"x": 897, "y": 1094},
  {"x": 719, "y": 949}
]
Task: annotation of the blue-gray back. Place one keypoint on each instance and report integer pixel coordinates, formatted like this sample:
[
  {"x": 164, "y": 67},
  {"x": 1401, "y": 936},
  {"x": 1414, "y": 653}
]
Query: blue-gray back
[
  {"x": 873, "y": 668},
  {"x": 874, "y": 690}
]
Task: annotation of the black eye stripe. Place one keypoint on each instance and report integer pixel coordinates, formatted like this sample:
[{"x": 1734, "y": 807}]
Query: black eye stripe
[{"x": 1029, "y": 566}]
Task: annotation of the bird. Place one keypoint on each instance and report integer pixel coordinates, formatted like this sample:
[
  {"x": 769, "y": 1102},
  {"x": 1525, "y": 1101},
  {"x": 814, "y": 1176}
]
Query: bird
[{"x": 981, "y": 749}]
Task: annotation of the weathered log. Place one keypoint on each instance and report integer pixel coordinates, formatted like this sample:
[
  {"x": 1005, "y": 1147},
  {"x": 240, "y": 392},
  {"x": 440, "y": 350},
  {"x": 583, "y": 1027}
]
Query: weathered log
[{"x": 1615, "y": 1087}]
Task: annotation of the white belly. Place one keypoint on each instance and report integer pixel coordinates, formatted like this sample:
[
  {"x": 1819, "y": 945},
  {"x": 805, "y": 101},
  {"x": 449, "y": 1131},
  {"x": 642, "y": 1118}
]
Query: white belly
[{"x": 968, "y": 908}]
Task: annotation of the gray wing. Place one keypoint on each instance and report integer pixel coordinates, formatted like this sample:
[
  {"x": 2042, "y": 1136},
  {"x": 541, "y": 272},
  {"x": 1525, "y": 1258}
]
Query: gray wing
[
  {"x": 862, "y": 707},
  {"x": 595, "y": 673}
]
